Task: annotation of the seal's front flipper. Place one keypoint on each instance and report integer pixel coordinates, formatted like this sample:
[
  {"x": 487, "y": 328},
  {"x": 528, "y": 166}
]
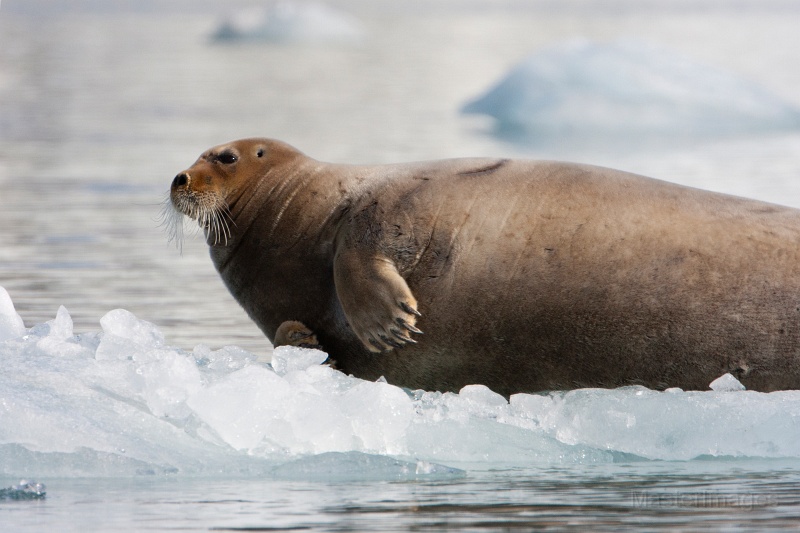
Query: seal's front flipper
[{"x": 376, "y": 300}]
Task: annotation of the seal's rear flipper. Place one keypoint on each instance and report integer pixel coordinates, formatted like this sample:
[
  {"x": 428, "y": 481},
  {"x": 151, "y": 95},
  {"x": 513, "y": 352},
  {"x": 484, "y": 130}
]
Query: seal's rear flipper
[
  {"x": 294, "y": 333},
  {"x": 376, "y": 299}
]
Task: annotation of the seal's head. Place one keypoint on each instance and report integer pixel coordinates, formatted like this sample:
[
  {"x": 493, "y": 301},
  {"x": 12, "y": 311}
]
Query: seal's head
[{"x": 206, "y": 191}]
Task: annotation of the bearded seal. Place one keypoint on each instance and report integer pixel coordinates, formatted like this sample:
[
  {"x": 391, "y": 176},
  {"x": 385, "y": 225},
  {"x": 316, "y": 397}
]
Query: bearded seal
[{"x": 523, "y": 275}]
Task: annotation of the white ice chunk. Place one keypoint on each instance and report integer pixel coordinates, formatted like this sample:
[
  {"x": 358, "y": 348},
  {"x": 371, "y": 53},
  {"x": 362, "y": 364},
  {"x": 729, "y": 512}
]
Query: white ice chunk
[
  {"x": 313, "y": 424},
  {"x": 530, "y": 409},
  {"x": 287, "y": 359},
  {"x": 380, "y": 414},
  {"x": 677, "y": 425},
  {"x": 125, "y": 325},
  {"x": 169, "y": 380},
  {"x": 59, "y": 338},
  {"x": 483, "y": 397},
  {"x": 726, "y": 383},
  {"x": 222, "y": 361},
  {"x": 11, "y": 325},
  {"x": 61, "y": 326},
  {"x": 125, "y": 336},
  {"x": 241, "y": 408}
]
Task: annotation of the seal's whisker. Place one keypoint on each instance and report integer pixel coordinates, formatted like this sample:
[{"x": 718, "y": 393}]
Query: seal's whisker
[
  {"x": 215, "y": 218},
  {"x": 219, "y": 230},
  {"x": 211, "y": 225},
  {"x": 225, "y": 219},
  {"x": 225, "y": 211},
  {"x": 172, "y": 221}
]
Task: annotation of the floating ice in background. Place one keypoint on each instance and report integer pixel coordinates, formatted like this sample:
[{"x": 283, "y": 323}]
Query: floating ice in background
[
  {"x": 24, "y": 490},
  {"x": 121, "y": 402},
  {"x": 626, "y": 89},
  {"x": 290, "y": 21}
]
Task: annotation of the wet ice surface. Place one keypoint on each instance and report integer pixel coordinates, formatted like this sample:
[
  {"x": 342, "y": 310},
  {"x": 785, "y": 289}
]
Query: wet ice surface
[{"x": 122, "y": 402}]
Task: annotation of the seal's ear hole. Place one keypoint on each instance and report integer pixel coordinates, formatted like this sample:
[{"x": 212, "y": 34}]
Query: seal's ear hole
[{"x": 260, "y": 152}]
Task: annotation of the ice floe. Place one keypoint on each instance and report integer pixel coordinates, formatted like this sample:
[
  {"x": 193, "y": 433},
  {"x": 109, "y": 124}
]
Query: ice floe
[{"x": 122, "y": 402}]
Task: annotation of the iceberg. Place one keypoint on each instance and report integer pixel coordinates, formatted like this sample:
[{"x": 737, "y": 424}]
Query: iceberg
[
  {"x": 122, "y": 402},
  {"x": 626, "y": 89},
  {"x": 290, "y": 22}
]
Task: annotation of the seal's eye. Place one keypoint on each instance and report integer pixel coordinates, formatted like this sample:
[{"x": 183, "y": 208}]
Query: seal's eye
[
  {"x": 260, "y": 152},
  {"x": 227, "y": 158}
]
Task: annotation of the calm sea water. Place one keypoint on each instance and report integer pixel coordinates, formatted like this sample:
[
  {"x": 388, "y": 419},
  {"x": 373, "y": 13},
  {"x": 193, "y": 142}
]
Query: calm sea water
[
  {"x": 101, "y": 107},
  {"x": 655, "y": 496}
]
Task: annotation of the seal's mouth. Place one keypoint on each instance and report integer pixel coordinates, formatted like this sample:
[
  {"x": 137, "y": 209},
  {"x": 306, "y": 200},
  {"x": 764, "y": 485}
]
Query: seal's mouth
[
  {"x": 209, "y": 210},
  {"x": 187, "y": 203}
]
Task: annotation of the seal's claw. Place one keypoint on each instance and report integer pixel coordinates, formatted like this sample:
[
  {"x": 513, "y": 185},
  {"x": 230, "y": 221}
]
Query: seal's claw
[
  {"x": 408, "y": 326},
  {"x": 391, "y": 342},
  {"x": 404, "y": 338},
  {"x": 409, "y": 309},
  {"x": 378, "y": 347}
]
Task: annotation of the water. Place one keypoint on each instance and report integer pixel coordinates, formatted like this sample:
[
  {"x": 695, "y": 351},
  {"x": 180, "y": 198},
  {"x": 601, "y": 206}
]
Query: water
[
  {"x": 657, "y": 496},
  {"x": 100, "y": 107}
]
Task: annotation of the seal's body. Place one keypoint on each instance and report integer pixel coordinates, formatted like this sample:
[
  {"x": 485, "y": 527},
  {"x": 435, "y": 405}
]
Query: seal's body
[{"x": 524, "y": 276}]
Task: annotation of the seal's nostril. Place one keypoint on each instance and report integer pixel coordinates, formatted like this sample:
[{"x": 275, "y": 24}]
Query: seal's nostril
[{"x": 180, "y": 180}]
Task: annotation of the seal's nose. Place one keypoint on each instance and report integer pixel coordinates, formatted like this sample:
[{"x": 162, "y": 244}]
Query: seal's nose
[{"x": 180, "y": 180}]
